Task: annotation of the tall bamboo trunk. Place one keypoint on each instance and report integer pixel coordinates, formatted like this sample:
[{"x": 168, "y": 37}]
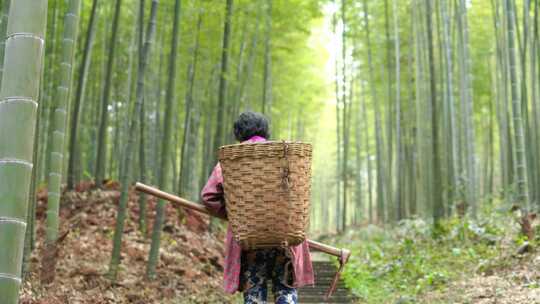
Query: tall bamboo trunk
[
  {"x": 521, "y": 165},
  {"x": 186, "y": 153},
  {"x": 166, "y": 145},
  {"x": 368, "y": 152},
  {"x": 128, "y": 153},
  {"x": 450, "y": 127},
  {"x": 19, "y": 93},
  {"x": 104, "y": 114},
  {"x": 250, "y": 63},
  {"x": 535, "y": 61},
  {"x": 381, "y": 186},
  {"x": 389, "y": 153},
  {"x": 339, "y": 160},
  {"x": 500, "y": 68},
  {"x": 240, "y": 68},
  {"x": 207, "y": 161},
  {"x": 410, "y": 146},
  {"x": 527, "y": 123},
  {"x": 223, "y": 87},
  {"x": 142, "y": 118},
  {"x": 468, "y": 132},
  {"x": 143, "y": 174},
  {"x": 222, "y": 92},
  {"x": 122, "y": 92},
  {"x": 79, "y": 98},
  {"x": 359, "y": 188},
  {"x": 3, "y": 28},
  {"x": 437, "y": 199},
  {"x": 49, "y": 93},
  {"x": 421, "y": 169},
  {"x": 346, "y": 115},
  {"x": 399, "y": 160},
  {"x": 267, "y": 72},
  {"x": 71, "y": 24},
  {"x": 158, "y": 126},
  {"x": 30, "y": 237}
]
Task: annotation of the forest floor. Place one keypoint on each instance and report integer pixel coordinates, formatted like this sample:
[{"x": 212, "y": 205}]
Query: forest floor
[
  {"x": 189, "y": 270},
  {"x": 514, "y": 283},
  {"x": 468, "y": 262},
  {"x": 465, "y": 261}
]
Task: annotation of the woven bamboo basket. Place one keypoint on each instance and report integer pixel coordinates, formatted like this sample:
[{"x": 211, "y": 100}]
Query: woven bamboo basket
[{"x": 267, "y": 189}]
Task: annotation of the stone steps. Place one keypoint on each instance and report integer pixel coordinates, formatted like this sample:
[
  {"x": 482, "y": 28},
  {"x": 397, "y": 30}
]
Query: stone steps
[{"x": 324, "y": 274}]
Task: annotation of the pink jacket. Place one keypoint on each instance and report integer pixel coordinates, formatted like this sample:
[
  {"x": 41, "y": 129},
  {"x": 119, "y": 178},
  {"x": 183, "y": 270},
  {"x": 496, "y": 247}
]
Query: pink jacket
[{"x": 212, "y": 195}]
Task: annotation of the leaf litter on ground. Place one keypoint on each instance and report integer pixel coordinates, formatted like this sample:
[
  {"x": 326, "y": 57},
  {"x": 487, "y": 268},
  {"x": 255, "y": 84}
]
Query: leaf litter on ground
[{"x": 189, "y": 270}]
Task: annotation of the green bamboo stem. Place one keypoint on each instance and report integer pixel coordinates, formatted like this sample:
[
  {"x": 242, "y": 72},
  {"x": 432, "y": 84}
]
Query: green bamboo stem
[
  {"x": 338, "y": 133},
  {"x": 29, "y": 237},
  {"x": 367, "y": 148},
  {"x": 345, "y": 117},
  {"x": 388, "y": 149},
  {"x": 128, "y": 153},
  {"x": 19, "y": 93},
  {"x": 51, "y": 66},
  {"x": 3, "y": 28},
  {"x": 399, "y": 160},
  {"x": 142, "y": 135},
  {"x": 79, "y": 98},
  {"x": 267, "y": 72},
  {"x": 165, "y": 148},
  {"x": 56, "y": 150},
  {"x": 467, "y": 110},
  {"x": 381, "y": 189},
  {"x": 186, "y": 163},
  {"x": 218, "y": 137},
  {"x": 71, "y": 21},
  {"x": 438, "y": 208},
  {"x": 521, "y": 165},
  {"x": 104, "y": 115}
]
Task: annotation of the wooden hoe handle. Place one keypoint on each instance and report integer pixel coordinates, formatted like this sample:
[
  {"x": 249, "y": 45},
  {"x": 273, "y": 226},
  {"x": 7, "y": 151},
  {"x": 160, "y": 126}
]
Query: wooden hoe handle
[{"x": 342, "y": 254}]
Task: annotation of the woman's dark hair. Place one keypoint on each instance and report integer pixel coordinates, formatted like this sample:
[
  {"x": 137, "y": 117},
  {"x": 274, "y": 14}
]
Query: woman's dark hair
[{"x": 251, "y": 124}]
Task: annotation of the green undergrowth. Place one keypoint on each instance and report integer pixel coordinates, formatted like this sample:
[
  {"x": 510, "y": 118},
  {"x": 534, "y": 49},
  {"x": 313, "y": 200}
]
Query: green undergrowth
[{"x": 399, "y": 264}]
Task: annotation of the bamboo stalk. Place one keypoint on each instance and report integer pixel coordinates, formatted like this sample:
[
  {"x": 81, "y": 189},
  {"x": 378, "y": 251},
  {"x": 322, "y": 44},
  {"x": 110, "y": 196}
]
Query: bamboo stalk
[
  {"x": 19, "y": 97},
  {"x": 165, "y": 151},
  {"x": 58, "y": 124},
  {"x": 342, "y": 253}
]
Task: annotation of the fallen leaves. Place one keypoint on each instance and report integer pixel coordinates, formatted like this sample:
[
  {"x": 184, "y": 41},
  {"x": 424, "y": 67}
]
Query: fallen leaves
[{"x": 190, "y": 268}]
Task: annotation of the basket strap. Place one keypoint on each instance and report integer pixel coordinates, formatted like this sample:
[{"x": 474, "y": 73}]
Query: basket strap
[{"x": 286, "y": 185}]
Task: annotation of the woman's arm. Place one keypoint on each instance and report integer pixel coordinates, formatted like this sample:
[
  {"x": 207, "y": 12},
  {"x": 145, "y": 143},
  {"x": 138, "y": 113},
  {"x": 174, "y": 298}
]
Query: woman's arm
[{"x": 212, "y": 194}]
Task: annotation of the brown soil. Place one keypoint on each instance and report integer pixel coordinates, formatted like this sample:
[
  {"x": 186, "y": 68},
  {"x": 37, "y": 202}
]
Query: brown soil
[{"x": 189, "y": 270}]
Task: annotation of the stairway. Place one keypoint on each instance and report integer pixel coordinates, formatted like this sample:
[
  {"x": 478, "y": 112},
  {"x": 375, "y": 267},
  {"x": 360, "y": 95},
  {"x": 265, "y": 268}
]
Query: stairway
[{"x": 324, "y": 274}]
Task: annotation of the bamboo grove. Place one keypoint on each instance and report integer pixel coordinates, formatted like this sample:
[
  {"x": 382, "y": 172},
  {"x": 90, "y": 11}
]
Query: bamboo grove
[
  {"x": 137, "y": 90},
  {"x": 416, "y": 108},
  {"x": 437, "y": 109}
]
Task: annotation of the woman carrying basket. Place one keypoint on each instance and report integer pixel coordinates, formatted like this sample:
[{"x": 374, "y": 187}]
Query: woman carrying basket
[{"x": 249, "y": 271}]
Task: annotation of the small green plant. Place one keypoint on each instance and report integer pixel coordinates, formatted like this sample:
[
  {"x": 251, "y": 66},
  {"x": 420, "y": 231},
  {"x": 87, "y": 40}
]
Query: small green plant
[{"x": 408, "y": 260}]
